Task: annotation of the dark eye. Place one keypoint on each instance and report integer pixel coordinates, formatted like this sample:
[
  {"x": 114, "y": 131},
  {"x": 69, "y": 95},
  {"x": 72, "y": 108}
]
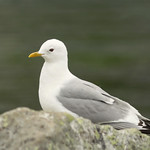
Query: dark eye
[{"x": 51, "y": 50}]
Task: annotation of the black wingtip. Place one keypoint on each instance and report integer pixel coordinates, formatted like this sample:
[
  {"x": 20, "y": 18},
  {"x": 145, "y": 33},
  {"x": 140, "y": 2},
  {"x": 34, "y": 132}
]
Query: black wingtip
[
  {"x": 147, "y": 132},
  {"x": 145, "y": 126}
]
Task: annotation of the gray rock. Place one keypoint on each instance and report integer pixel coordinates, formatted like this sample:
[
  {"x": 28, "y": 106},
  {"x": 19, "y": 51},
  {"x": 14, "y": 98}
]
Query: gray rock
[{"x": 25, "y": 129}]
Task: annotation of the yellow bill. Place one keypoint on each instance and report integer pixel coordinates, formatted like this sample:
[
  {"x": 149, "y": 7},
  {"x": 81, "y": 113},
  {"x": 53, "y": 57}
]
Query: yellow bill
[{"x": 35, "y": 54}]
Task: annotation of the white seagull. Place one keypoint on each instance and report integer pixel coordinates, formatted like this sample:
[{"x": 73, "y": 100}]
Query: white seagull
[{"x": 61, "y": 91}]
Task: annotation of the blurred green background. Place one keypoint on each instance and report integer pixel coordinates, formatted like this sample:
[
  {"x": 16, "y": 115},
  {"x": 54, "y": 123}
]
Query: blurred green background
[{"x": 108, "y": 44}]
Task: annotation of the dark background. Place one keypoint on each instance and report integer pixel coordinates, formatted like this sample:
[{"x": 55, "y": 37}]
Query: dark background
[{"x": 108, "y": 44}]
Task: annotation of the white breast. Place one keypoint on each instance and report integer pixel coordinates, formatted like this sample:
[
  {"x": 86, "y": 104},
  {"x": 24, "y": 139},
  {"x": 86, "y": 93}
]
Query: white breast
[{"x": 52, "y": 78}]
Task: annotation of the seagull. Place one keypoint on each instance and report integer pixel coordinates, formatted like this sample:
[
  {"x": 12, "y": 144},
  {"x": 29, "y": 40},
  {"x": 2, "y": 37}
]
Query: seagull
[{"x": 61, "y": 91}]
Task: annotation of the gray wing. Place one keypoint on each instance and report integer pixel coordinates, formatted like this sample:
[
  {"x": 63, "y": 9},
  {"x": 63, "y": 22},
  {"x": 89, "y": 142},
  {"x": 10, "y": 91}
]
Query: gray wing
[{"x": 91, "y": 102}]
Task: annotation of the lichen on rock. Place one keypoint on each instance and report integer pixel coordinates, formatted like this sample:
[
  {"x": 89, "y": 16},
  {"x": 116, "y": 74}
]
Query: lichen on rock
[{"x": 26, "y": 129}]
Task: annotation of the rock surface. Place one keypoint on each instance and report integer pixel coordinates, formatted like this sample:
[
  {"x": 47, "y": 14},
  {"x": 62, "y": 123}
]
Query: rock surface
[{"x": 25, "y": 129}]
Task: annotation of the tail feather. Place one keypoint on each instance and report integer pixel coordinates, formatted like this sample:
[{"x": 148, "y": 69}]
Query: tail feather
[
  {"x": 121, "y": 125},
  {"x": 146, "y": 132},
  {"x": 145, "y": 124}
]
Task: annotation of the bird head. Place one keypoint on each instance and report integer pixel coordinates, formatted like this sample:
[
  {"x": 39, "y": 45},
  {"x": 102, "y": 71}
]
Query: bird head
[{"x": 51, "y": 50}]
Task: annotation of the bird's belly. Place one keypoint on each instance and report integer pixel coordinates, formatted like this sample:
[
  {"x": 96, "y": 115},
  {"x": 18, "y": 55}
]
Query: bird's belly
[{"x": 49, "y": 102}]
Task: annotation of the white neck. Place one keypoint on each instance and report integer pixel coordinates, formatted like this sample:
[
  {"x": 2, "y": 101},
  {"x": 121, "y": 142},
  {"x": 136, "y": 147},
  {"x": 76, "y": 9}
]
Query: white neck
[
  {"x": 53, "y": 77},
  {"x": 54, "y": 72}
]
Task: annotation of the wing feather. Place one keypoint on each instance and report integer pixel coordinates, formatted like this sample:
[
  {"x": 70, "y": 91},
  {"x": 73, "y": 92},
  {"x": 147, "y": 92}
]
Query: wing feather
[{"x": 90, "y": 101}]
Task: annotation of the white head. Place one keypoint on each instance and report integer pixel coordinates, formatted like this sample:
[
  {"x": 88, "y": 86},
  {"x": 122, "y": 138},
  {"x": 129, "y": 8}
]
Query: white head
[{"x": 52, "y": 50}]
